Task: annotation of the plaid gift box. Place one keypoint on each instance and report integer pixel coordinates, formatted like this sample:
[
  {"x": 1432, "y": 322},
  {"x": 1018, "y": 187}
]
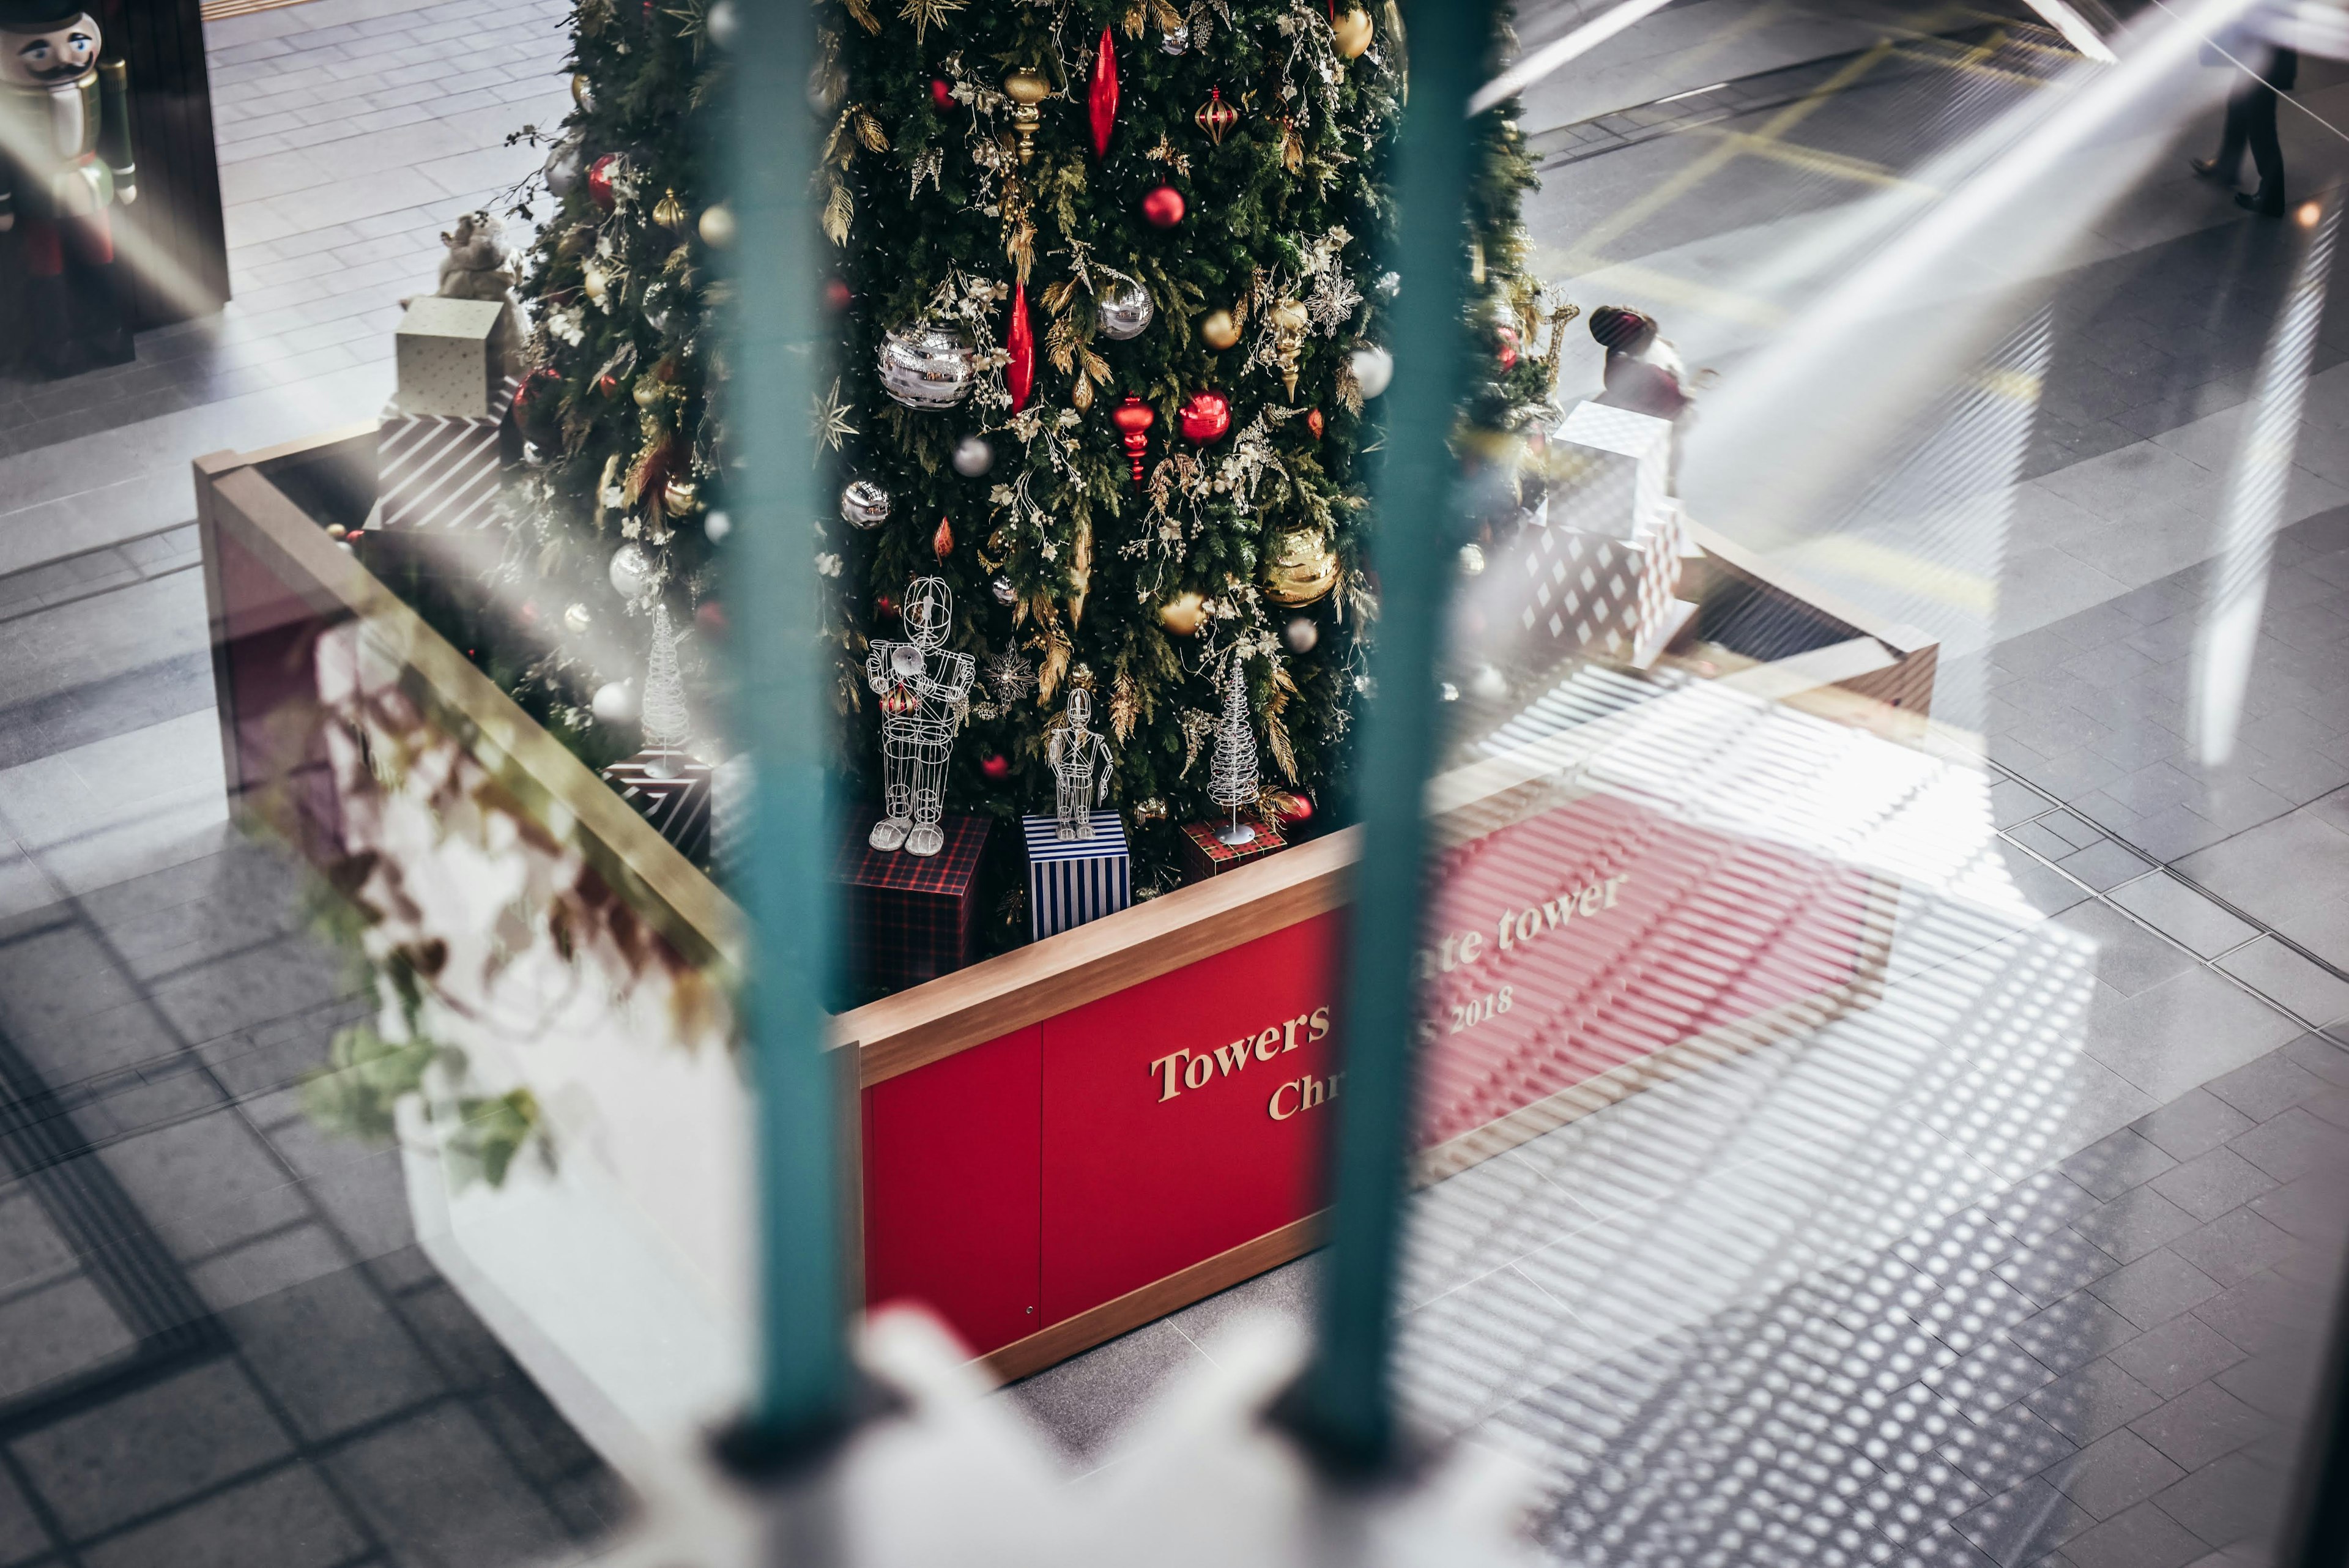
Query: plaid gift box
[
  {"x": 679, "y": 807},
  {"x": 1204, "y": 855},
  {"x": 912, "y": 917},
  {"x": 1072, "y": 880}
]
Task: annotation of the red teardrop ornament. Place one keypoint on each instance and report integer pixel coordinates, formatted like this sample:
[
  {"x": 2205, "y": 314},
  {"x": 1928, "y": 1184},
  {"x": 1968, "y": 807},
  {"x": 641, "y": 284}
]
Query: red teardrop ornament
[
  {"x": 940, "y": 93},
  {"x": 1134, "y": 417},
  {"x": 1101, "y": 97},
  {"x": 1020, "y": 341}
]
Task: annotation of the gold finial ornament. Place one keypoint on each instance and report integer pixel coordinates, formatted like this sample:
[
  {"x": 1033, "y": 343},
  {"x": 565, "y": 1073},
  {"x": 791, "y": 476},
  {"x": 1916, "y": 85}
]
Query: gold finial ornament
[
  {"x": 670, "y": 212},
  {"x": 1288, "y": 324},
  {"x": 1027, "y": 91}
]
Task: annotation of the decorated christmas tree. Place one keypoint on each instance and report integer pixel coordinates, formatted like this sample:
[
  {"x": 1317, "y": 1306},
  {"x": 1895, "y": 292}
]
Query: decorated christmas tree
[{"x": 1110, "y": 304}]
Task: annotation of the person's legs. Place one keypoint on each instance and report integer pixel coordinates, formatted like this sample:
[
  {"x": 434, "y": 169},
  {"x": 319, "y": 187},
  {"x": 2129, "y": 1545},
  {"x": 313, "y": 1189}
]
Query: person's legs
[
  {"x": 48, "y": 300},
  {"x": 2230, "y": 161},
  {"x": 2266, "y": 153},
  {"x": 101, "y": 314}
]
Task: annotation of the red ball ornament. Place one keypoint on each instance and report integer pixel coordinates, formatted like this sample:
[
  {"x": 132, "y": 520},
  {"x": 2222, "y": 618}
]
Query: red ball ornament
[
  {"x": 1164, "y": 207},
  {"x": 884, "y": 604},
  {"x": 941, "y": 92},
  {"x": 1508, "y": 353},
  {"x": 994, "y": 765},
  {"x": 711, "y": 616},
  {"x": 1205, "y": 416},
  {"x": 599, "y": 180},
  {"x": 1289, "y": 806},
  {"x": 836, "y": 295}
]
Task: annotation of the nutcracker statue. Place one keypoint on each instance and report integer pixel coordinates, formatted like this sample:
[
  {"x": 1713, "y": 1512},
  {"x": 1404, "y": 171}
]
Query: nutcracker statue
[
  {"x": 1079, "y": 756},
  {"x": 923, "y": 692},
  {"x": 65, "y": 158}
]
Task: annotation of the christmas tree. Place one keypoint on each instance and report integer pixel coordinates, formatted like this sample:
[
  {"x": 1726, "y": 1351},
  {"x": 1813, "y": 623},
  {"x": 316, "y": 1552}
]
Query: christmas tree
[{"x": 1110, "y": 302}]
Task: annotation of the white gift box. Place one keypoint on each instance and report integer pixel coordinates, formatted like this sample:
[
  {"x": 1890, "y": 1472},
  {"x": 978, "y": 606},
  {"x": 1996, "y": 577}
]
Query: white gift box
[
  {"x": 1602, "y": 563},
  {"x": 450, "y": 358}
]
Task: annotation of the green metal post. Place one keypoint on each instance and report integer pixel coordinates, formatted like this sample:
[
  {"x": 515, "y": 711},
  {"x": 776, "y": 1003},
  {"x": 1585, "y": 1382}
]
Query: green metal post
[
  {"x": 773, "y": 360},
  {"x": 1344, "y": 1406}
]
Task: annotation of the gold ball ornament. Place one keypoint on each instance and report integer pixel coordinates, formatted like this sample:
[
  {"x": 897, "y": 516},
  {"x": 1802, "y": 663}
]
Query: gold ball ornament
[
  {"x": 681, "y": 498},
  {"x": 670, "y": 212},
  {"x": 1182, "y": 614},
  {"x": 1219, "y": 330},
  {"x": 717, "y": 227},
  {"x": 596, "y": 281},
  {"x": 648, "y": 393},
  {"x": 1300, "y": 568},
  {"x": 1352, "y": 32}
]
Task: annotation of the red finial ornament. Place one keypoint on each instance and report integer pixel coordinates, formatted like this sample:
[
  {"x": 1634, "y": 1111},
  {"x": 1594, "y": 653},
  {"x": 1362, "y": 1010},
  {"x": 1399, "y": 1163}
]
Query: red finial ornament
[
  {"x": 1101, "y": 97},
  {"x": 1216, "y": 117},
  {"x": 1134, "y": 419},
  {"x": 1020, "y": 341}
]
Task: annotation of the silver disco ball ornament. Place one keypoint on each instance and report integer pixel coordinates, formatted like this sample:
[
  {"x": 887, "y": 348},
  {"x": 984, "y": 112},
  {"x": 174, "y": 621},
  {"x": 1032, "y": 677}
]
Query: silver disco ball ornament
[
  {"x": 632, "y": 571},
  {"x": 863, "y": 504},
  {"x": 927, "y": 366},
  {"x": 973, "y": 456},
  {"x": 1004, "y": 592},
  {"x": 1176, "y": 38},
  {"x": 614, "y": 702},
  {"x": 1302, "y": 634},
  {"x": 1124, "y": 311}
]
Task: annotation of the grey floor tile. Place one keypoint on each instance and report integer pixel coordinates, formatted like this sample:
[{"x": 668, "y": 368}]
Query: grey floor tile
[
  {"x": 2233, "y": 1247},
  {"x": 2232, "y": 1499},
  {"x": 2193, "y": 1124},
  {"x": 2103, "y": 864},
  {"x": 263, "y": 1267},
  {"x": 2129, "y": 959},
  {"x": 438, "y": 1485},
  {"x": 206, "y": 1183},
  {"x": 2141, "y": 1537},
  {"x": 287, "y": 1519},
  {"x": 2176, "y": 909},
  {"x": 2266, "y": 1088},
  {"x": 2277, "y": 971},
  {"x": 2176, "y": 1356},
  {"x": 147, "y": 1450},
  {"x": 2025, "y": 1524},
  {"x": 2213, "y": 1182},
  {"x": 333, "y": 1355},
  {"x": 22, "y": 1536},
  {"x": 2155, "y": 1289},
  {"x": 2115, "y": 1473},
  {"x": 49, "y": 1334},
  {"x": 2113, "y": 1165},
  {"x": 2137, "y": 1222},
  {"x": 2201, "y": 1425},
  {"x": 2295, "y": 1145},
  {"x": 2090, "y": 1403},
  {"x": 1080, "y": 1401}
]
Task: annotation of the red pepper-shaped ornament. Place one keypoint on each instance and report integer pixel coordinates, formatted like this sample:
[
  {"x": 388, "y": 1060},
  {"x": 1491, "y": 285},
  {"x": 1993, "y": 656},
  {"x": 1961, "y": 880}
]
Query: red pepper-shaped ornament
[
  {"x": 1101, "y": 97},
  {"x": 942, "y": 542},
  {"x": 1205, "y": 416},
  {"x": 1019, "y": 340},
  {"x": 1134, "y": 419}
]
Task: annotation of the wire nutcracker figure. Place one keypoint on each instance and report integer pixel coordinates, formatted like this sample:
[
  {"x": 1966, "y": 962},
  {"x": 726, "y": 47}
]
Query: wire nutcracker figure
[
  {"x": 1079, "y": 755},
  {"x": 925, "y": 690}
]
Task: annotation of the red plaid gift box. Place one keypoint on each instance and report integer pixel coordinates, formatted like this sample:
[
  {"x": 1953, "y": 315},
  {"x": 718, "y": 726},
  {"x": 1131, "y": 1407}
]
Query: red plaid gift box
[
  {"x": 912, "y": 917},
  {"x": 1204, "y": 855},
  {"x": 677, "y": 807}
]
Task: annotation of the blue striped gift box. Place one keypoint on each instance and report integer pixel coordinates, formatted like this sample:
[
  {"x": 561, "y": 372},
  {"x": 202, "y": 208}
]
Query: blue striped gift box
[{"x": 1072, "y": 880}]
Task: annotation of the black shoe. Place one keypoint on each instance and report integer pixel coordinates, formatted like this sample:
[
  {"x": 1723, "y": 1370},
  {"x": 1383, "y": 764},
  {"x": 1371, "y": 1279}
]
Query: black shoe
[
  {"x": 2260, "y": 204},
  {"x": 2207, "y": 169}
]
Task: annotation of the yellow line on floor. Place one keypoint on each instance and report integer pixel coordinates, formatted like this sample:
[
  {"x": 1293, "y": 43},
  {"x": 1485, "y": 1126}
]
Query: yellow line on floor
[
  {"x": 1968, "y": 591},
  {"x": 1816, "y": 160}
]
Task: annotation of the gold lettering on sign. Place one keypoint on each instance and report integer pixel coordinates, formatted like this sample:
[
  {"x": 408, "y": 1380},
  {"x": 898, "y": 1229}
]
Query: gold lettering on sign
[
  {"x": 1180, "y": 1070},
  {"x": 1512, "y": 928},
  {"x": 1305, "y": 1094}
]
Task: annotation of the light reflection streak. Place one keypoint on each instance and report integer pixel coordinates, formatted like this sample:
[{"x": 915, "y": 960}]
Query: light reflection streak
[{"x": 2228, "y": 635}]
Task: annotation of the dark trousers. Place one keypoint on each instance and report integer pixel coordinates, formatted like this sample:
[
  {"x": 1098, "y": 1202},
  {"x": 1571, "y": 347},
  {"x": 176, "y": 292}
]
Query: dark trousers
[{"x": 2251, "y": 117}]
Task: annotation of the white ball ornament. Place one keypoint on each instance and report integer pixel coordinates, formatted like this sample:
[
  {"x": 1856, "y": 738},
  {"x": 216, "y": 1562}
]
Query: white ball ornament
[
  {"x": 1489, "y": 684},
  {"x": 723, "y": 23},
  {"x": 1472, "y": 559},
  {"x": 614, "y": 702},
  {"x": 863, "y": 504},
  {"x": 1302, "y": 634},
  {"x": 578, "y": 618},
  {"x": 1374, "y": 370},
  {"x": 717, "y": 526},
  {"x": 973, "y": 456},
  {"x": 631, "y": 572}
]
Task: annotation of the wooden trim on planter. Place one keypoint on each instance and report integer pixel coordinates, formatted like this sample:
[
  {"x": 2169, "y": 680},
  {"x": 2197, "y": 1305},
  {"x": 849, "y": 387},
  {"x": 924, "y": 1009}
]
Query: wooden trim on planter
[{"x": 1155, "y": 1300}]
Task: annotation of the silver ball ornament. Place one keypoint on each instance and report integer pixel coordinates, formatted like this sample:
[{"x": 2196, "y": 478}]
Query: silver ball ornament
[
  {"x": 723, "y": 23},
  {"x": 1176, "y": 38},
  {"x": 1302, "y": 634},
  {"x": 863, "y": 504},
  {"x": 717, "y": 526},
  {"x": 614, "y": 702},
  {"x": 973, "y": 456},
  {"x": 1004, "y": 592},
  {"x": 578, "y": 618},
  {"x": 1123, "y": 312},
  {"x": 1374, "y": 370},
  {"x": 1472, "y": 560},
  {"x": 631, "y": 572},
  {"x": 564, "y": 168},
  {"x": 928, "y": 364}
]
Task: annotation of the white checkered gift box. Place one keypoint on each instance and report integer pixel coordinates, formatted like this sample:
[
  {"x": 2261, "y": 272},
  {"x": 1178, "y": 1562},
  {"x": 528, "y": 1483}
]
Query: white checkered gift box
[
  {"x": 1604, "y": 571},
  {"x": 1072, "y": 880}
]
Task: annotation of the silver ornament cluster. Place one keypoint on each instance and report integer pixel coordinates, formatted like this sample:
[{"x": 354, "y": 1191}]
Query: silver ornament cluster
[
  {"x": 1123, "y": 312},
  {"x": 863, "y": 504},
  {"x": 631, "y": 571},
  {"x": 927, "y": 366}
]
